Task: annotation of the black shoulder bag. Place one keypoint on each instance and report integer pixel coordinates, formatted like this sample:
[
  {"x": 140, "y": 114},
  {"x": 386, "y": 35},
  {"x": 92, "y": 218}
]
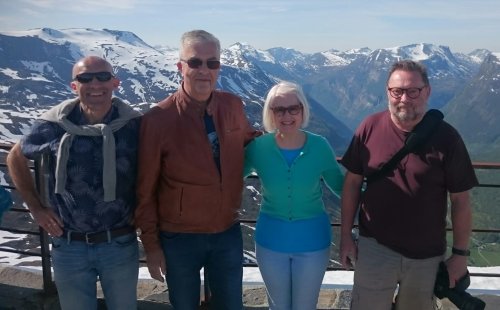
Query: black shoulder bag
[{"x": 419, "y": 135}]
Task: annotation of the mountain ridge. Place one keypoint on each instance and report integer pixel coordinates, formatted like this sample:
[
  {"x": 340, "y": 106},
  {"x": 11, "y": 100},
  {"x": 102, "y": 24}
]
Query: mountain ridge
[{"x": 343, "y": 86}]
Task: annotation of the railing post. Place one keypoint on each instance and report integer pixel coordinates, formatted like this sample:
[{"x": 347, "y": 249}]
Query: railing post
[{"x": 42, "y": 183}]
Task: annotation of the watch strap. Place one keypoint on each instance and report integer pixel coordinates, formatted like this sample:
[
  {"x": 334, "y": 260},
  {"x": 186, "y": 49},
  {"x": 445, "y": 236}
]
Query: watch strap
[{"x": 460, "y": 252}]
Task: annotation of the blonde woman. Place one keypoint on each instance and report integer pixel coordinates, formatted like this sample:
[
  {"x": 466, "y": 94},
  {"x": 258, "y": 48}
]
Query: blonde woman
[{"x": 293, "y": 232}]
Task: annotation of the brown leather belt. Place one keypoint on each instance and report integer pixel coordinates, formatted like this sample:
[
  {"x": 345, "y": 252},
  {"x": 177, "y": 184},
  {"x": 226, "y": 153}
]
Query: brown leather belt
[{"x": 98, "y": 237}]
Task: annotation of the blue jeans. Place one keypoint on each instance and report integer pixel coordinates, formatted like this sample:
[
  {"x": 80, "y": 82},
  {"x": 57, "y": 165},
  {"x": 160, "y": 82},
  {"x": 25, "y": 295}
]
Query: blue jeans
[
  {"x": 77, "y": 266},
  {"x": 221, "y": 254},
  {"x": 293, "y": 280}
]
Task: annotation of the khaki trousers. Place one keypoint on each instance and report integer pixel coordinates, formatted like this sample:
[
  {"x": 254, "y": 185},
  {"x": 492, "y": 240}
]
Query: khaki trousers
[{"x": 379, "y": 272}]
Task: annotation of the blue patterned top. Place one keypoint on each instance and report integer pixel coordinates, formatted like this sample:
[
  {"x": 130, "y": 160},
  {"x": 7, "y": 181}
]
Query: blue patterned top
[{"x": 82, "y": 207}]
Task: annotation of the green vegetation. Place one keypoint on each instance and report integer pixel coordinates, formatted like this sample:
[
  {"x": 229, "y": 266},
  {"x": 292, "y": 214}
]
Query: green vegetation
[
  {"x": 485, "y": 255},
  {"x": 485, "y": 246}
]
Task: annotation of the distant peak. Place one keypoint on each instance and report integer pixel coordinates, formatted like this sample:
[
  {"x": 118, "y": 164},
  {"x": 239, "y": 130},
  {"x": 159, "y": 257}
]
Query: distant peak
[
  {"x": 362, "y": 50},
  {"x": 44, "y": 33},
  {"x": 126, "y": 36},
  {"x": 243, "y": 45}
]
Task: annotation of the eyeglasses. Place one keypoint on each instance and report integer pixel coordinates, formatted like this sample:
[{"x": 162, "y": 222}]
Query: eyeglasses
[
  {"x": 292, "y": 110},
  {"x": 412, "y": 92},
  {"x": 196, "y": 63},
  {"x": 87, "y": 77}
]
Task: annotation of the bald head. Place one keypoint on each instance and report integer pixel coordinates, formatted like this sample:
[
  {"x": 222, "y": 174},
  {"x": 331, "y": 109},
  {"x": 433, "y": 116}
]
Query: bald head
[
  {"x": 87, "y": 64},
  {"x": 94, "y": 90}
]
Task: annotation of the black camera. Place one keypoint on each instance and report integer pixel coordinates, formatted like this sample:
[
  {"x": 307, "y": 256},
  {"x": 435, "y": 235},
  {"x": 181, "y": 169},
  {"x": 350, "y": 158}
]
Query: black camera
[{"x": 457, "y": 295}]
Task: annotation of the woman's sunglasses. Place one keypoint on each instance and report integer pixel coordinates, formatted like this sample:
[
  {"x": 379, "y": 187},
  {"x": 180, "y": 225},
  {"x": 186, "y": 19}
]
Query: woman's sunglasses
[{"x": 292, "y": 110}]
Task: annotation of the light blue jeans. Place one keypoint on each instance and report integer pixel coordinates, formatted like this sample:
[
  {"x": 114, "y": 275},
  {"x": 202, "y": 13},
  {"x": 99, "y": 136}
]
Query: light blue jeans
[
  {"x": 77, "y": 266},
  {"x": 293, "y": 280}
]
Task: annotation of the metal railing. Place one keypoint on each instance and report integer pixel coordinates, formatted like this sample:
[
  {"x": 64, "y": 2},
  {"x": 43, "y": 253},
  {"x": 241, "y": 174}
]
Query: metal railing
[
  {"x": 44, "y": 253},
  {"x": 41, "y": 179},
  {"x": 477, "y": 166}
]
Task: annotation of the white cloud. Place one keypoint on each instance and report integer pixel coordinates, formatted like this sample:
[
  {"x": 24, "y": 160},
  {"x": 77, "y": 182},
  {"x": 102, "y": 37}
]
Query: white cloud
[{"x": 83, "y": 5}]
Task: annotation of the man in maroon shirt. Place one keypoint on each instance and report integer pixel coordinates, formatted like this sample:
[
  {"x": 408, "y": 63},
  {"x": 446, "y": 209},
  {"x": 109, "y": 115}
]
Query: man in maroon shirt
[{"x": 402, "y": 218}]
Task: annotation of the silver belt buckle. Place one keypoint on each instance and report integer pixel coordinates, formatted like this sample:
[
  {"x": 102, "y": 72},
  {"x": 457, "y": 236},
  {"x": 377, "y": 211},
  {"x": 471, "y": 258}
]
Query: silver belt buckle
[{"x": 87, "y": 239}]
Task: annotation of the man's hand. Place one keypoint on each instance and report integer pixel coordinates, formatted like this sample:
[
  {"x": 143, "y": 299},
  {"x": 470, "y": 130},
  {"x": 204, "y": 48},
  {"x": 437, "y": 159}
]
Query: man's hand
[
  {"x": 348, "y": 252},
  {"x": 457, "y": 268},
  {"x": 156, "y": 265},
  {"x": 349, "y": 202},
  {"x": 461, "y": 219},
  {"x": 48, "y": 220},
  {"x": 20, "y": 174}
]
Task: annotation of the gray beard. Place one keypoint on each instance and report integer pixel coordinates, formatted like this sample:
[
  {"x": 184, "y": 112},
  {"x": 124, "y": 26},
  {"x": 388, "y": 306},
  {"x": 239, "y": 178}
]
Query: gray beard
[{"x": 406, "y": 116}]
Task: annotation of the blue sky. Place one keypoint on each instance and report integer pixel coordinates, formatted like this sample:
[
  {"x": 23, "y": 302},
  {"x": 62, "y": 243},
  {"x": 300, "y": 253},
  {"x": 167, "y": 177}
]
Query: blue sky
[{"x": 307, "y": 25}]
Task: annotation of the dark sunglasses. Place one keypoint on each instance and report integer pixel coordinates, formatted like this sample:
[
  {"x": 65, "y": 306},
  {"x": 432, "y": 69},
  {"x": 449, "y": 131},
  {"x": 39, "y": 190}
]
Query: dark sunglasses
[
  {"x": 292, "y": 110},
  {"x": 196, "y": 63},
  {"x": 87, "y": 77}
]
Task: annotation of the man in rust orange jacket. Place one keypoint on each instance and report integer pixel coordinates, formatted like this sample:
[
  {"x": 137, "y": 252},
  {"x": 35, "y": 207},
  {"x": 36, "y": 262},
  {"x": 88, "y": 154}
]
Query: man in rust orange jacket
[{"x": 190, "y": 181}]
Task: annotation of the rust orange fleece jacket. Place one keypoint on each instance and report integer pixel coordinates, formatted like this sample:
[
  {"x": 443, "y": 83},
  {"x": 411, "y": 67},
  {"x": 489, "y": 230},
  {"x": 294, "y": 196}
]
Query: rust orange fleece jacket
[{"x": 179, "y": 187}]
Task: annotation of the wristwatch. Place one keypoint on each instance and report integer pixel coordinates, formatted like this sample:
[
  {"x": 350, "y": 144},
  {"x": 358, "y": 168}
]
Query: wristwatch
[{"x": 460, "y": 252}]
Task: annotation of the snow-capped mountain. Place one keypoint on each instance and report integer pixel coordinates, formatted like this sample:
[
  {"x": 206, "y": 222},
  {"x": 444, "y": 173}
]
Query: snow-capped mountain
[
  {"x": 35, "y": 70},
  {"x": 358, "y": 89},
  {"x": 343, "y": 86},
  {"x": 476, "y": 109}
]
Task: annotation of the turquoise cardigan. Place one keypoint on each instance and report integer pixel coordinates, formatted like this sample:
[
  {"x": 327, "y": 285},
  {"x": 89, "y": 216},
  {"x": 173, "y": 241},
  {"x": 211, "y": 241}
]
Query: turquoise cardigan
[{"x": 293, "y": 193}]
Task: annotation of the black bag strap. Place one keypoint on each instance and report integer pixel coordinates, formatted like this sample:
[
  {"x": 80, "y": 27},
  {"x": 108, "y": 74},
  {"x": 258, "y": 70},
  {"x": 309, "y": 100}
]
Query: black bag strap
[{"x": 419, "y": 135}]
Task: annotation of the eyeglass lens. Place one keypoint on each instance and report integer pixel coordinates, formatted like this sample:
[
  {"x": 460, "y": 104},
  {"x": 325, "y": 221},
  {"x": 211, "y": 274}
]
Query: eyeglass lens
[
  {"x": 196, "y": 63},
  {"x": 292, "y": 110},
  {"x": 412, "y": 92},
  {"x": 87, "y": 77}
]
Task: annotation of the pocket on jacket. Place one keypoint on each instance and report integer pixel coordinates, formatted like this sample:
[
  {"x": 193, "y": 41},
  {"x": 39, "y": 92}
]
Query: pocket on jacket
[{"x": 192, "y": 204}]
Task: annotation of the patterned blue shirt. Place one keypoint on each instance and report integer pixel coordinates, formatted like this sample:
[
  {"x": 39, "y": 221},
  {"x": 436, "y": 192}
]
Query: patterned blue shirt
[{"x": 82, "y": 207}]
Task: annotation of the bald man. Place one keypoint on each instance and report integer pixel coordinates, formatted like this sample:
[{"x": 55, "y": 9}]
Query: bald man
[{"x": 92, "y": 145}]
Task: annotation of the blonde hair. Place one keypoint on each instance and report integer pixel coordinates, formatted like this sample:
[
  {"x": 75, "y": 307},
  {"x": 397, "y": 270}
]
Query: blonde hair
[{"x": 284, "y": 87}]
